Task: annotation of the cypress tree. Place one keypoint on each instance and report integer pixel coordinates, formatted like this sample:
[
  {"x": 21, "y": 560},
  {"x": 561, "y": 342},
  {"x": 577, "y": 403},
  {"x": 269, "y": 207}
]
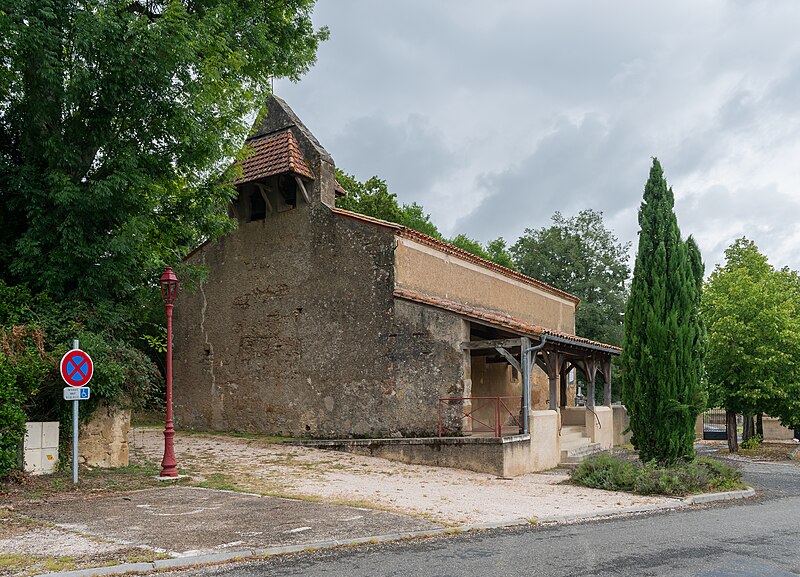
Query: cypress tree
[{"x": 664, "y": 337}]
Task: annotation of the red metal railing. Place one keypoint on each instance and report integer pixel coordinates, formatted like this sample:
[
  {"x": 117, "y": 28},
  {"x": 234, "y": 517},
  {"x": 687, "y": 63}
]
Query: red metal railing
[{"x": 485, "y": 414}]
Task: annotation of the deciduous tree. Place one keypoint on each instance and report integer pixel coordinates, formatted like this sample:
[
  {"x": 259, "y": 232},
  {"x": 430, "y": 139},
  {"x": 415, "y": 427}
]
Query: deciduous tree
[
  {"x": 581, "y": 256},
  {"x": 752, "y": 313},
  {"x": 119, "y": 120}
]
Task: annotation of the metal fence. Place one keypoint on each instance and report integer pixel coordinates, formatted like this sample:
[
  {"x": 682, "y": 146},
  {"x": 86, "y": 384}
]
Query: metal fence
[
  {"x": 715, "y": 426},
  {"x": 492, "y": 415}
]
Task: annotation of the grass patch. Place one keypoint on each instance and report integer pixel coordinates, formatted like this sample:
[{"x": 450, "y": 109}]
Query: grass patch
[
  {"x": 18, "y": 564},
  {"x": 615, "y": 473},
  {"x": 220, "y": 482},
  {"x": 31, "y": 487}
]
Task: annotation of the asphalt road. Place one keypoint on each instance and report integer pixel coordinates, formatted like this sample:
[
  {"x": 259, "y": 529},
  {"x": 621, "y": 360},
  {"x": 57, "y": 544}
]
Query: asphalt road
[{"x": 759, "y": 538}]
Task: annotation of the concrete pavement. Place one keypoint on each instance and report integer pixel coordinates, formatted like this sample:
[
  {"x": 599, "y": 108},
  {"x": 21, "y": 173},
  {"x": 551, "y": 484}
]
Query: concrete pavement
[{"x": 192, "y": 526}]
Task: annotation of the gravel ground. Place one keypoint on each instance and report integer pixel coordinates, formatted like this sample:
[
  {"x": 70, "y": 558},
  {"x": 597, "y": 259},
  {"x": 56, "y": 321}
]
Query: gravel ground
[{"x": 448, "y": 496}]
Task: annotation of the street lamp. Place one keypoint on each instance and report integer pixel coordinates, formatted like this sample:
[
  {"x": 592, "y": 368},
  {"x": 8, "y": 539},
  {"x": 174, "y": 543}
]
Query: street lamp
[{"x": 169, "y": 290}]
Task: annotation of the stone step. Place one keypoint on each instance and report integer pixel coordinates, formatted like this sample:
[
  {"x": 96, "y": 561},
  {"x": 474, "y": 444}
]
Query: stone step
[
  {"x": 574, "y": 444},
  {"x": 569, "y": 435},
  {"x": 575, "y": 456}
]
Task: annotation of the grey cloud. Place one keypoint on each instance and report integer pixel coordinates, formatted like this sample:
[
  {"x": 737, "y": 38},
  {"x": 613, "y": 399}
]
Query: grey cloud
[
  {"x": 597, "y": 167},
  {"x": 448, "y": 100},
  {"x": 766, "y": 215},
  {"x": 410, "y": 155}
]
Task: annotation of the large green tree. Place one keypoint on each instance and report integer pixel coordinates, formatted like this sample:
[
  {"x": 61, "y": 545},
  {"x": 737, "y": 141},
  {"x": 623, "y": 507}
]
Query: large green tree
[
  {"x": 752, "y": 313},
  {"x": 372, "y": 197},
  {"x": 581, "y": 256},
  {"x": 664, "y": 337},
  {"x": 119, "y": 120}
]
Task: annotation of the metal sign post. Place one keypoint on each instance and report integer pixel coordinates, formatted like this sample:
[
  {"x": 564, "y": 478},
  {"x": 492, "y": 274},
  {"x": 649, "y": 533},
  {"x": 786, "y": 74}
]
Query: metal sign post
[{"x": 76, "y": 370}]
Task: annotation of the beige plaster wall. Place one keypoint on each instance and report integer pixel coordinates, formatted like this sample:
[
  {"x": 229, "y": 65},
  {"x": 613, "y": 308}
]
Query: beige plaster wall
[
  {"x": 575, "y": 416},
  {"x": 621, "y": 422},
  {"x": 103, "y": 441},
  {"x": 431, "y": 272},
  {"x": 545, "y": 451},
  {"x": 603, "y": 432},
  {"x": 774, "y": 431},
  {"x": 493, "y": 380}
]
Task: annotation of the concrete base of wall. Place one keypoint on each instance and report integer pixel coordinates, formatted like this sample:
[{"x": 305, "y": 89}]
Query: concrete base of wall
[
  {"x": 505, "y": 456},
  {"x": 621, "y": 422},
  {"x": 600, "y": 426},
  {"x": 545, "y": 452}
]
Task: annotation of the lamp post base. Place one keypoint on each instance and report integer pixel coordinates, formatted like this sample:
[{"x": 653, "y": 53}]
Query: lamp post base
[{"x": 169, "y": 467}]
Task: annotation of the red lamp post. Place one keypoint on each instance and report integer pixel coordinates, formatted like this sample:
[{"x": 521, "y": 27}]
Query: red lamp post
[{"x": 169, "y": 290}]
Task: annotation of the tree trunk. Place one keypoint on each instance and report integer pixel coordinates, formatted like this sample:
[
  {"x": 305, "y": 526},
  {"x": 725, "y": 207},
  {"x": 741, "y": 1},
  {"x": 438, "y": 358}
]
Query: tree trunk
[
  {"x": 748, "y": 429},
  {"x": 730, "y": 422},
  {"x": 760, "y": 425}
]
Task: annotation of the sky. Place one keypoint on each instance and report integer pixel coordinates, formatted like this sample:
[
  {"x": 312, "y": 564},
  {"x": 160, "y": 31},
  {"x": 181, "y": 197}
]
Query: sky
[{"x": 495, "y": 114}]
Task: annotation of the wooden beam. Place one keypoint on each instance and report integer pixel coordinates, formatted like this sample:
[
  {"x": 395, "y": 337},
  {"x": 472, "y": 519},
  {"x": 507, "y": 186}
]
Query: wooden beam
[
  {"x": 263, "y": 190},
  {"x": 490, "y": 344},
  {"x": 511, "y": 360},
  {"x": 302, "y": 187},
  {"x": 540, "y": 362}
]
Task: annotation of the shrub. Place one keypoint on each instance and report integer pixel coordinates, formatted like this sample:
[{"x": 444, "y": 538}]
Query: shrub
[
  {"x": 752, "y": 443},
  {"x": 615, "y": 473},
  {"x": 22, "y": 364},
  {"x": 34, "y": 334},
  {"x": 606, "y": 471}
]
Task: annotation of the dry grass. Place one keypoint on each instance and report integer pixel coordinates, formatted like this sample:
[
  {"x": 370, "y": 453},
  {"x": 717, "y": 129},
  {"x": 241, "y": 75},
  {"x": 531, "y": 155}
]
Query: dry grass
[{"x": 772, "y": 452}]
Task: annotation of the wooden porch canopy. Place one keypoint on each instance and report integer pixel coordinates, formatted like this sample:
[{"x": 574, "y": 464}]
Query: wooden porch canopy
[
  {"x": 556, "y": 353},
  {"x": 557, "y": 356}
]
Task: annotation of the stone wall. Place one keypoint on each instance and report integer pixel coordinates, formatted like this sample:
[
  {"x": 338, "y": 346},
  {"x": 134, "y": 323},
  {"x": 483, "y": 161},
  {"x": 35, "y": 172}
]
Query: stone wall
[
  {"x": 103, "y": 441},
  {"x": 621, "y": 423},
  {"x": 296, "y": 332}
]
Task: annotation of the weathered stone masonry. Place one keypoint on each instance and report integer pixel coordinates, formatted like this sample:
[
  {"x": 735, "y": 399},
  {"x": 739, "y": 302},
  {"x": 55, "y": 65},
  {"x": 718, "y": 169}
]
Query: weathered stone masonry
[{"x": 296, "y": 330}]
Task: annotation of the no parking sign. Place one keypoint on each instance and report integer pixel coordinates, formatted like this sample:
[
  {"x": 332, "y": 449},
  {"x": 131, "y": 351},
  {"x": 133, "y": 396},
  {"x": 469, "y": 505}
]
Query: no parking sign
[{"x": 76, "y": 368}]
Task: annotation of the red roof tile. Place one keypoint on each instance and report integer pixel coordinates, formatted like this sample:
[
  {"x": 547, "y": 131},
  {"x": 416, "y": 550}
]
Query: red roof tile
[
  {"x": 448, "y": 248},
  {"x": 273, "y": 154},
  {"x": 500, "y": 320}
]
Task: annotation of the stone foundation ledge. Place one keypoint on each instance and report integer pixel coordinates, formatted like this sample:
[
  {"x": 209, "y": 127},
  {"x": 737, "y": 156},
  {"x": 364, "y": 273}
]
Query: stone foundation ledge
[
  {"x": 500, "y": 456},
  {"x": 331, "y": 443}
]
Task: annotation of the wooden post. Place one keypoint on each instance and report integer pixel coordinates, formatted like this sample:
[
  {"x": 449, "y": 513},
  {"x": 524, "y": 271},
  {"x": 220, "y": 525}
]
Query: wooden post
[
  {"x": 606, "y": 369},
  {"x": 552, "y": 375},
  {"x": 590, "y": 370},
  {"x": 526, "y": 365}
]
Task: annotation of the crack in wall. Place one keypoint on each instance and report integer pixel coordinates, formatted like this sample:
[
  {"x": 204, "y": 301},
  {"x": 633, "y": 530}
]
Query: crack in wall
[{"x": 216, "y": 397}]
